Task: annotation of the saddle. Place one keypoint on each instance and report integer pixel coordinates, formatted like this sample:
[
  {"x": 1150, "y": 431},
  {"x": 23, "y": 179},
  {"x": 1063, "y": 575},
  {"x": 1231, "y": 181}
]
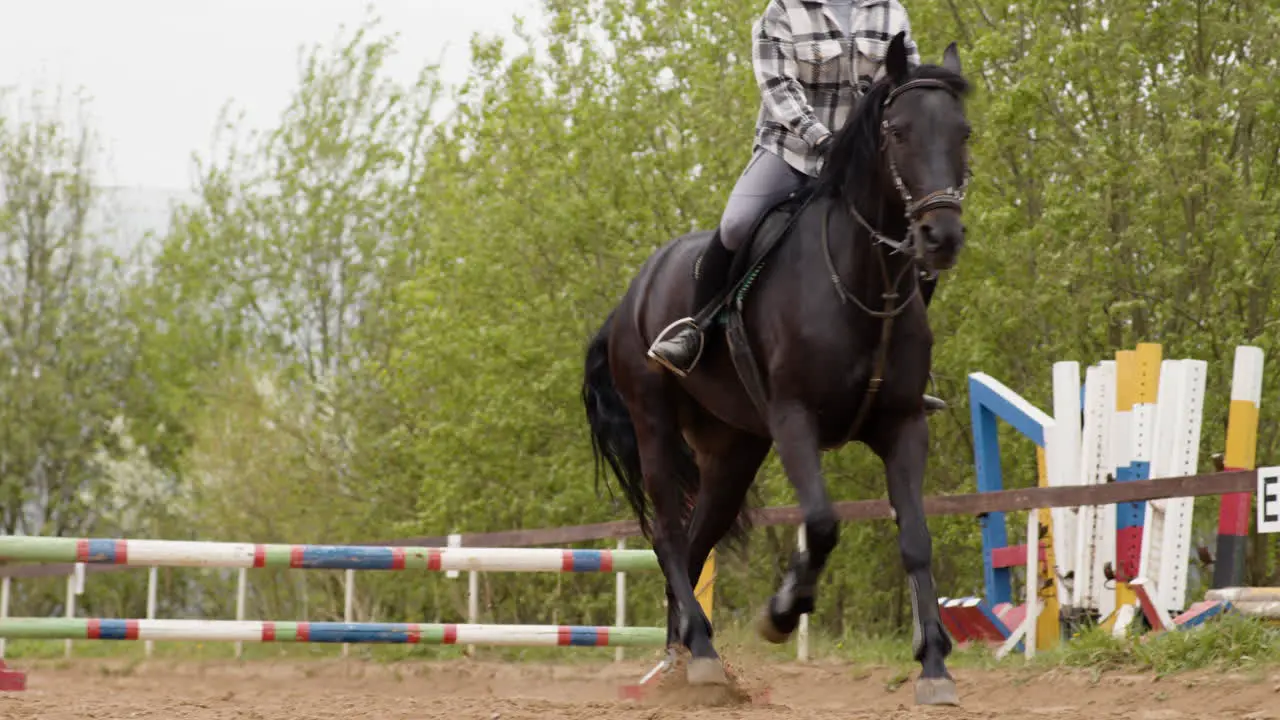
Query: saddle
[
  {"x": 769, "y": 231},
  {"x": 771, "y": 228}
]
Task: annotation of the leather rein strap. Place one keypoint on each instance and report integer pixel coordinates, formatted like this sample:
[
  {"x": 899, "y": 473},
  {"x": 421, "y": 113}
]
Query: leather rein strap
[{"x": 948, "y": 197}]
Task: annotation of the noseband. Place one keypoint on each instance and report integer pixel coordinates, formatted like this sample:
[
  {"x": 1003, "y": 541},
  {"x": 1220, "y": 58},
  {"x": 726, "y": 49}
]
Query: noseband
[{"x": 950, "y": 197}]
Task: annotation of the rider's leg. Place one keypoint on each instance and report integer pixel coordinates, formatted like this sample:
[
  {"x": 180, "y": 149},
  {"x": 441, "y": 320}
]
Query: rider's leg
[
  {"x": 710, "y": 272},
  {"x": 766, "y": 180}
]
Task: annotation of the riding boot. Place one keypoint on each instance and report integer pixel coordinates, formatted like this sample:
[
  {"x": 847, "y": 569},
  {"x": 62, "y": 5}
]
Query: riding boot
[
  {"x": 927, "y": 285},
  {"x": 680, "y": 352}
]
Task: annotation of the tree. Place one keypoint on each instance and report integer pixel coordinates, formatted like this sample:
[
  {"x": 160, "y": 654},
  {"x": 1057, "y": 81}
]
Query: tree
[{"x": 65, "y": 342}]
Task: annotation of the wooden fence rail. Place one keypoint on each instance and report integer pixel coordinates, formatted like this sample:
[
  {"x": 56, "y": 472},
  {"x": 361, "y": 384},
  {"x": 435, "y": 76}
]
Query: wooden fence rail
[{"x": 975, "y": 504}]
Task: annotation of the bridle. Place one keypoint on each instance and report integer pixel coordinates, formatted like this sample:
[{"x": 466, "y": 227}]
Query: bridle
[
  {"x": 949, "y": 197},
  {"x": 913, "y": 247}
]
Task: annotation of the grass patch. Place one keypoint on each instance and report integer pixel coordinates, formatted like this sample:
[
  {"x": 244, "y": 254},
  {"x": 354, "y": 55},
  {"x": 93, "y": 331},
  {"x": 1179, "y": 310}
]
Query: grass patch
[{"x": 1232, "y": 642}]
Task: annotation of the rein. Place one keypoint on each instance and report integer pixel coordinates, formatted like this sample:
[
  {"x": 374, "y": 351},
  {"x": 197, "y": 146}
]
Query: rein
[{"x": 947, "y": 198}]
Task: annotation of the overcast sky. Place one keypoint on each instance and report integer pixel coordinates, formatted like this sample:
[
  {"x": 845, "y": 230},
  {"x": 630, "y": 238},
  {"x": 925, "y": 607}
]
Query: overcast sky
[{"x": 159, "y": 71}]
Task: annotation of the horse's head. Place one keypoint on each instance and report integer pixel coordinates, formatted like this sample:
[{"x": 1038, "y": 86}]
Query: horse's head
[{"x": 924, "y": 153}]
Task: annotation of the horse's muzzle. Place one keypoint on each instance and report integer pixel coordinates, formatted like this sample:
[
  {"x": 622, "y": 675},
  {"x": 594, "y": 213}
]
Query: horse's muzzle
[{"x": 941, "y": 234}]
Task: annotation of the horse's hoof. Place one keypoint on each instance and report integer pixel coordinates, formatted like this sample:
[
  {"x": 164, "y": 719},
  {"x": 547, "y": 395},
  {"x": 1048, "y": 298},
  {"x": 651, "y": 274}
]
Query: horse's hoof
[
  {"x": 769, "y": 631},
  {"x": 936, "y": 691},
  {"x": 706, "y": 671}
]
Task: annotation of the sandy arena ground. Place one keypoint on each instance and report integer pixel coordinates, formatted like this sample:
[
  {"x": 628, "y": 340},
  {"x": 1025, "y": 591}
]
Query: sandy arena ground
[{"x": 517, "y": 691}]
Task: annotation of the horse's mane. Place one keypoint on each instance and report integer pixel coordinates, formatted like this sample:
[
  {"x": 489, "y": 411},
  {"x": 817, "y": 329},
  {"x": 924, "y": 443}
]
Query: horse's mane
[{"x": 852, "y": 168}]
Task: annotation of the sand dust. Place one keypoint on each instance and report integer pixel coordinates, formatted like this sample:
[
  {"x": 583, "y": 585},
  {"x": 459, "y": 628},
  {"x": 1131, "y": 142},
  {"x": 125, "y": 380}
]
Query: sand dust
[{"x": 319, "y": 690}]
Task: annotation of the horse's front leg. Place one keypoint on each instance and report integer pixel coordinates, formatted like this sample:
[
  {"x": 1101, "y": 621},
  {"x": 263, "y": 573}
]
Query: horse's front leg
[
  {"x": 795, "y": 435},
  {"x": 904, "y": 456}
]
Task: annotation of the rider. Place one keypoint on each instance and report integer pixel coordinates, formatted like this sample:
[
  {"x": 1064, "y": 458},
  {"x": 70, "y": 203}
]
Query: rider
[{"x": 813, "y": 59}]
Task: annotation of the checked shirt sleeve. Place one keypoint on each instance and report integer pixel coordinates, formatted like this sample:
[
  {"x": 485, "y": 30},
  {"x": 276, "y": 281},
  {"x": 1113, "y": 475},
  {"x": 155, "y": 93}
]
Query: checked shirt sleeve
[
  {"x": 875, "y": 23},
  {"x": 902, "y": 23},
  {"x": 774, "y": 61}
]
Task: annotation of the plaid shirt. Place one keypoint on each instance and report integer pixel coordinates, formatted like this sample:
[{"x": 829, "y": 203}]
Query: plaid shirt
[{"x": 810, "y": 72}]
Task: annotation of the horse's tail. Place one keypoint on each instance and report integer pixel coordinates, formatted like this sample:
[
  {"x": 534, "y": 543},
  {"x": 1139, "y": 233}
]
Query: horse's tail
[{"x": 613, "y": 436}]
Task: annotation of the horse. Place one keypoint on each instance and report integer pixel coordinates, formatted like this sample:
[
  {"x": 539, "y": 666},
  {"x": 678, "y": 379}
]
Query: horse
[{"x": 834, "y": 348}]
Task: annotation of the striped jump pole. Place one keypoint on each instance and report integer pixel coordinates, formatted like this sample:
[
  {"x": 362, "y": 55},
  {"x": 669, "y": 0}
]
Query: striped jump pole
[
  {"x": 173, "y": 553},
  {"x": 1241, "y": 454},
  {"x": 1137, "y": 387},
  {"x": 332, "y": 632},
  {"x": 192, "y": 554}
]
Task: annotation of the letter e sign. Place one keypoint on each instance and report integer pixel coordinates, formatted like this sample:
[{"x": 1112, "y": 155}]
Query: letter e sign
[{"x": 1268, "y": 500}]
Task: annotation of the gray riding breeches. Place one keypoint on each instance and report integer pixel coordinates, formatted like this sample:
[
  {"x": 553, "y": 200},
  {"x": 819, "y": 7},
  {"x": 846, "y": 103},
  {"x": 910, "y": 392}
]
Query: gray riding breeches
[{"x": 766, "y": 180}]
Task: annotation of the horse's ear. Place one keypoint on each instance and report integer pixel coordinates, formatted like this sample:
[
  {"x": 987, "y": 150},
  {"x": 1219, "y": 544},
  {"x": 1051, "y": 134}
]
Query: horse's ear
[
  {"x": 951, "y": 59},
  {"x": 895, "y": 60}
]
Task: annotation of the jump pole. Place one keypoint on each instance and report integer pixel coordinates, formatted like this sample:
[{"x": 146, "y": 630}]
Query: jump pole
[
  {"x": 1161, "y": 584},
  {"x": 332, "y": 632},
  {"x": 10, "y": 680},
  {"x": 168, "y": 553},
  {"x": 1134, "y": 376},
  {"x": 1154, "y": 431},
  {"x": 1137, "y": 382},
  {"x": 1241, "y": 454},
  {"x": 177, "y": 553}
]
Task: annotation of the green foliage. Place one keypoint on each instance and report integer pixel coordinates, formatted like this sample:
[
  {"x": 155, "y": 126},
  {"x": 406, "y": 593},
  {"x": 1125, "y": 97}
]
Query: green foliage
[
  {"x": 65, "y": 344},
  {"x": 1231, "y": 642}
]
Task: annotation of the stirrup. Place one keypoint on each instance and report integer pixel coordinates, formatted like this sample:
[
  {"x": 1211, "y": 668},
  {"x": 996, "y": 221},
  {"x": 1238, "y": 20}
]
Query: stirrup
[
  {"x": 662, "y": 336},
  {"x": 933, "y": 404}
]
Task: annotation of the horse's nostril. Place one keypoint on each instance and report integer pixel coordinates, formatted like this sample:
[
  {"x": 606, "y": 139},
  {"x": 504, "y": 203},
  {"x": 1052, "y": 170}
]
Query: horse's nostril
[{"x": 926, "y": 233}]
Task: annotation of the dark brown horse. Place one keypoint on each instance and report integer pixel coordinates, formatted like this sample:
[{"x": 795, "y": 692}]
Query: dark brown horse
[{"x": 828, "y": 342}]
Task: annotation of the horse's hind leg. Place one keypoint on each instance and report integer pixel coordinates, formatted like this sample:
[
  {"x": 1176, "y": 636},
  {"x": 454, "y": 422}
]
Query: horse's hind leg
[
  {"x": 668, "y": 471},
  {"x": 728, "y": 462},
  {"x": 794, "y": 430},
  {"x": 905, "y": 453}
]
